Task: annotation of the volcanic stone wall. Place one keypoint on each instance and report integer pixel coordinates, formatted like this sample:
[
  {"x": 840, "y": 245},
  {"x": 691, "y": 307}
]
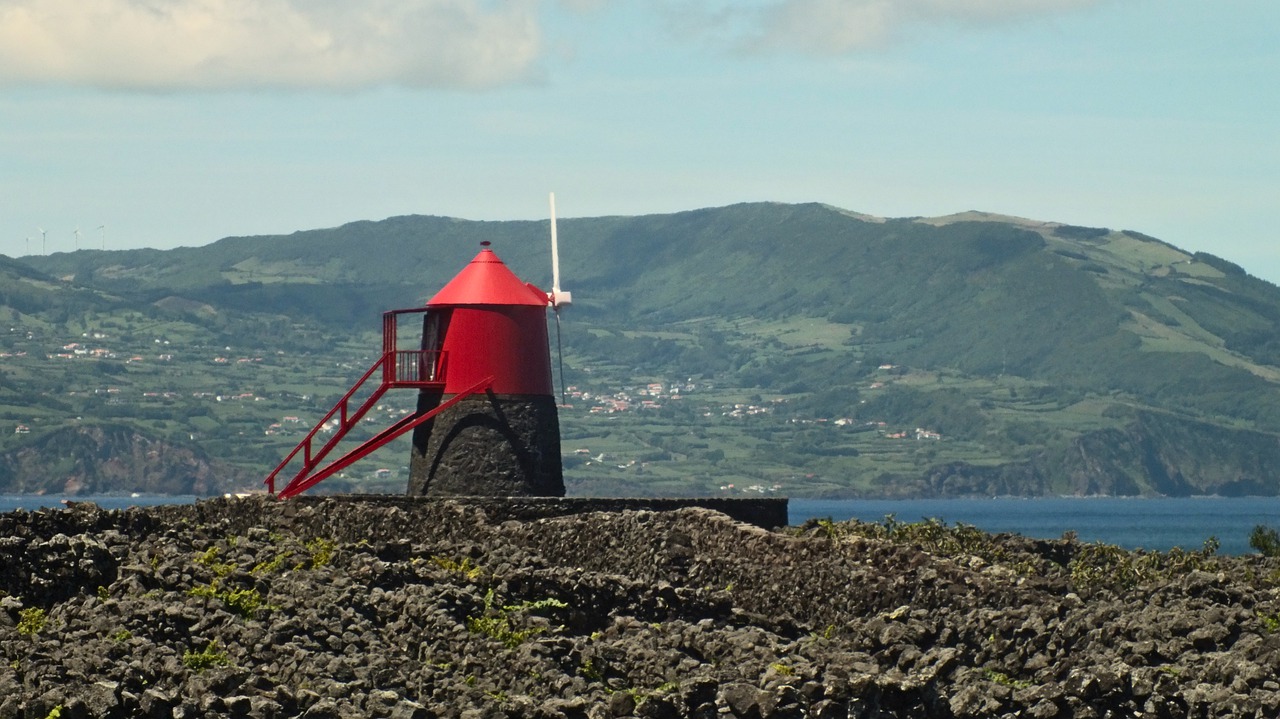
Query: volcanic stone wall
[
  {"x": 258, "y": 608},
  {"x": 766, "y": 512}
]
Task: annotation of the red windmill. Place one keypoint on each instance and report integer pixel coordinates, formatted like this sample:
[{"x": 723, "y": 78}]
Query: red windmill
[{"x": 486, "y": 422}]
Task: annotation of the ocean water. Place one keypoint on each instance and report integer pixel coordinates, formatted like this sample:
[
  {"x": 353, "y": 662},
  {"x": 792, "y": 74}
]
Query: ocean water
[
  {"x": 10, "y": 502},
  {"x": 1158, "y": 524}
]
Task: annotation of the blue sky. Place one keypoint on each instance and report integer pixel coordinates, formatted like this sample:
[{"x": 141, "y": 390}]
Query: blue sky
[{"x": 179, "y": 122}]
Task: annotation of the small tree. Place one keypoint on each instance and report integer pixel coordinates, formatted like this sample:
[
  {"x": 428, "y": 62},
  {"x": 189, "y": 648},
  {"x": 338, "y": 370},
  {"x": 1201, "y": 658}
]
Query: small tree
[{"x": 1266, "y": 540}]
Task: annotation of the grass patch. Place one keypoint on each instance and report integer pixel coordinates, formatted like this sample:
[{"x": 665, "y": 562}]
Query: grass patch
[
  {"x": 505, "y": 623},
  {"x": 32, "y": 621},
  {"x": 206, "y": 658}
]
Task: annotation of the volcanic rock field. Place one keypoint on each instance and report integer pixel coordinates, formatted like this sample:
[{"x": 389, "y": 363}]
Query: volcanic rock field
[{"x": 332, "y": 608}]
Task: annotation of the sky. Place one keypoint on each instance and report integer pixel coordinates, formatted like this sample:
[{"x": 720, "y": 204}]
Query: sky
[{"x": 165, "y": 123}]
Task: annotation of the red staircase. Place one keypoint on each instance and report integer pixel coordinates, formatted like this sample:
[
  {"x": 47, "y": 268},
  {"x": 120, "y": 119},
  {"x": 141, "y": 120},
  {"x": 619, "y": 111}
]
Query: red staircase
[{"x": 411, "y": 369}]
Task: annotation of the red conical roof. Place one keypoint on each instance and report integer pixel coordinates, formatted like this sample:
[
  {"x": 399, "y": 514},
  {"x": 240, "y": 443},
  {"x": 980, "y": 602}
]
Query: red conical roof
[{"x": 486, "y": 280}]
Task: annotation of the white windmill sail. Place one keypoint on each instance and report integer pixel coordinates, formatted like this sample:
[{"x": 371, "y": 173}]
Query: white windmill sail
[{"x": 559, "y": 298}]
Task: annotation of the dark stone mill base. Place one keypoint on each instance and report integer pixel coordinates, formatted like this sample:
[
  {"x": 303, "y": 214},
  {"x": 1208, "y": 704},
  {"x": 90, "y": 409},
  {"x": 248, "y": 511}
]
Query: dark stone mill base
[{"x": 488, "y": 445}]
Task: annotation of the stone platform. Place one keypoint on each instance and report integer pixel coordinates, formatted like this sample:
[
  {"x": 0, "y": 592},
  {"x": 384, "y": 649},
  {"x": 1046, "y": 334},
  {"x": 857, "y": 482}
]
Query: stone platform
[{"x": 766, "y": 512}]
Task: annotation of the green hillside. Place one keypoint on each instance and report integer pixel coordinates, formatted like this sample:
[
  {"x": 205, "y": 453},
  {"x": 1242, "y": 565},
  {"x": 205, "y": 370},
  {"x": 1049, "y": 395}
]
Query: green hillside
[{"x": 798, "y": 348}]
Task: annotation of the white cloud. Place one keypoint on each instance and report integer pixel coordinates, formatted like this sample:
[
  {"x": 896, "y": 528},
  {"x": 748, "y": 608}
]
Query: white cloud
[
  {"x": 835, "y": 27},
  {"x": 232, "y": 44}
]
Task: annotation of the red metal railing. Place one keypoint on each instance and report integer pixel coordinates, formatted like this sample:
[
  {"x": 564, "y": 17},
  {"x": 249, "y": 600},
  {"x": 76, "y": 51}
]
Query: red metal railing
[
  {"x": 416, "y": 369},
  {"x": 306, "y": 478},
  {"x": 346, "y": 420}
]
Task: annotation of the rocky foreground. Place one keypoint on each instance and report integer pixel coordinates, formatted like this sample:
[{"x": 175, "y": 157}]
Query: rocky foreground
[{"x": 257, "y": 608}]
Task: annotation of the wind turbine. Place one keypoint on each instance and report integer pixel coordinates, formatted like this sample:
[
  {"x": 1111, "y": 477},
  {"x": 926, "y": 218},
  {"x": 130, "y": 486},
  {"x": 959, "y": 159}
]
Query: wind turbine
[
  {"x": 43, "y": 237},
  {"x": 556, "y": 295},
  {"x": 77, "y": 238},
  {"x": 28, "y": 249},
  {"x": 103, "y": 229}
]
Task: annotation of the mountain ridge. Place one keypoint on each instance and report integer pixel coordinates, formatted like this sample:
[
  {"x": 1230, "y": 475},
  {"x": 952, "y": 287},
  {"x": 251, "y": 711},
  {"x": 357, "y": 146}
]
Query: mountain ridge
[{"x": 1042, "y": 335}]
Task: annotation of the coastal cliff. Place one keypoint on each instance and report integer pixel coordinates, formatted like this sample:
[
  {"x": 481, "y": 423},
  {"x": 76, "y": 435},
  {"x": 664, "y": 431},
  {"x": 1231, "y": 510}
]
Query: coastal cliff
[{"x": 332, "y": 608}]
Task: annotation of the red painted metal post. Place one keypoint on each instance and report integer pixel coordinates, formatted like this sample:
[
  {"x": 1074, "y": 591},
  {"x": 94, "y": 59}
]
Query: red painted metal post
[{"x": 388, "y": 345}]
